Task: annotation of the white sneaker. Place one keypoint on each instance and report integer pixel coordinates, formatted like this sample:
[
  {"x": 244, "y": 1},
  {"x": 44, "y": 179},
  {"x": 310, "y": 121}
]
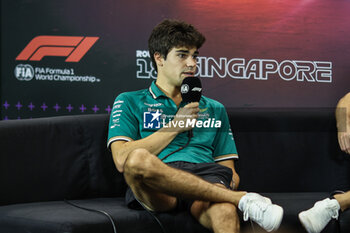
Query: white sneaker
[
  {"x": 316, "y": 218},
  {"x": 261, "y": 210}
]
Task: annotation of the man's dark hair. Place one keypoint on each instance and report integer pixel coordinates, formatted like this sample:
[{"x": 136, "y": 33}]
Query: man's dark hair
[{"x": 173, "y": 33}]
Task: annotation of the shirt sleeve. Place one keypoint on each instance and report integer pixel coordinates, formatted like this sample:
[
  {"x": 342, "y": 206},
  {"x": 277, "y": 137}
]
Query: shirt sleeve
[
  {"x": 123, "y": 123},
  {"x": 224, "y": 143}
]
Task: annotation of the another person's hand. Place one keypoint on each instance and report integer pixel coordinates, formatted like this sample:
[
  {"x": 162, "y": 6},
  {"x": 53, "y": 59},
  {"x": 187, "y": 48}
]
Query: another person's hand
[{"x": 344, "y": 141}]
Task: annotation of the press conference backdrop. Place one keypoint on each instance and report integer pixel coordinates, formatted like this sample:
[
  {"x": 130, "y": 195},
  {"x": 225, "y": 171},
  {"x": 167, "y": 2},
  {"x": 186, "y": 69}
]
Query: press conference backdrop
[{"x": 74, "y": 57}]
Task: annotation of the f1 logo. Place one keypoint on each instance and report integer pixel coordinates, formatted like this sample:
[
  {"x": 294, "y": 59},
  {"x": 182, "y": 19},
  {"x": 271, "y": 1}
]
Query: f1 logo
[{"x": 75, "y": 47}]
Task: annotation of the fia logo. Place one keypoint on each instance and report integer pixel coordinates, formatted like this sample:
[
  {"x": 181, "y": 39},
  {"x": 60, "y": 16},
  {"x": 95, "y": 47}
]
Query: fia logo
[
  {"x": 24, "y": 72},
  {"x": 151, "y": 120}
]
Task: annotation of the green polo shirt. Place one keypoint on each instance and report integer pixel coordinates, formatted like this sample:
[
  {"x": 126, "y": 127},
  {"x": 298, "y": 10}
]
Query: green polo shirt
[{"x": 138, "y": 114}]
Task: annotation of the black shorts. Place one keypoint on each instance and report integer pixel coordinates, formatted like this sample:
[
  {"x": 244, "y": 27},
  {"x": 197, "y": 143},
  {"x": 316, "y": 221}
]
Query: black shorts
[{"x": 211, "y": 172}]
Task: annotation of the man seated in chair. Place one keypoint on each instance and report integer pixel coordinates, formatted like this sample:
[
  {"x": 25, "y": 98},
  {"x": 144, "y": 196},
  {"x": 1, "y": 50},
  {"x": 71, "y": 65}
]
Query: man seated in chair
[{"x": 200, "y": 177}]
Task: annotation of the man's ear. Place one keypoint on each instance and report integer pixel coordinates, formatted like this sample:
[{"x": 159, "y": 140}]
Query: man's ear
[{"x": 158, "y": 58}]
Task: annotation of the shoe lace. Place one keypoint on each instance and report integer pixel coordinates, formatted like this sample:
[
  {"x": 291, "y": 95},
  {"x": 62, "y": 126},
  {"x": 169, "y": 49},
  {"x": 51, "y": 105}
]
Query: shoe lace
[
  {"x": 335, "y": 213},
  {"x": 256, "y": 214}
]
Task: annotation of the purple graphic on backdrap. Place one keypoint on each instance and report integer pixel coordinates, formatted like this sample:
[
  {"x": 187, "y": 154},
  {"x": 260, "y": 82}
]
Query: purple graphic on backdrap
[
  {"x": 82, "y": 108},
  {"x": 31, "y": 106},
  {"x": 95, "y": 109},
  {"x": 19, "y": 105},
  {"x": 6, "y": 105},
  {"x": 108, "y": 109},
  {"x": 69, "y": 107},
  {"x": 44, "y": 107},
  {"x": 57, "y": 107}
]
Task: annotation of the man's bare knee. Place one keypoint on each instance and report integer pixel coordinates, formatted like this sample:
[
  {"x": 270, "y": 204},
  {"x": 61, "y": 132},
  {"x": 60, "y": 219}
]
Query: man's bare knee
[
  {"x": 138, "y": 164},
  {"x": 220, "y": 217},
  {"x": 224, "y": 213},
  {"x": 225, "y": 210}
]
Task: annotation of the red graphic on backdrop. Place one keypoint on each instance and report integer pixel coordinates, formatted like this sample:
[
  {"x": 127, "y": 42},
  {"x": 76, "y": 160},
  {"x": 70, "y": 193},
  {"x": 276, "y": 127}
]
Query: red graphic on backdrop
[{"x": 72, "y": 47}]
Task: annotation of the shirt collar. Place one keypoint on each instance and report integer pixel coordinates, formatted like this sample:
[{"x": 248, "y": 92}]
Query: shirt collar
[{"x": 155, "y": 91}]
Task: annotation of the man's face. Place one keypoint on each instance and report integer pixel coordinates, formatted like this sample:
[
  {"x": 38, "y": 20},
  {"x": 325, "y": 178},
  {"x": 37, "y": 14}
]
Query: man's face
[{"x": 180, "y": 63}]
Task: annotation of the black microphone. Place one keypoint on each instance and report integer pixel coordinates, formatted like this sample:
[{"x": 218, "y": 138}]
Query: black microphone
[{"x": 191, "y": 89}]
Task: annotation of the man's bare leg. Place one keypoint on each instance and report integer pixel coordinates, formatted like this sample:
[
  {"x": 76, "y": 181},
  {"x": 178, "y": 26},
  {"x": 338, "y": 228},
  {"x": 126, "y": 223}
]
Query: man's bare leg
[
  {"x": 156, "y": 184},
  {"x": 219, "y": 217}
]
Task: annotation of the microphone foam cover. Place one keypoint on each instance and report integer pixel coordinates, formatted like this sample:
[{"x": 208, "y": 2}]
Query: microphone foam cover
[{"x": 191, "y": 89}]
